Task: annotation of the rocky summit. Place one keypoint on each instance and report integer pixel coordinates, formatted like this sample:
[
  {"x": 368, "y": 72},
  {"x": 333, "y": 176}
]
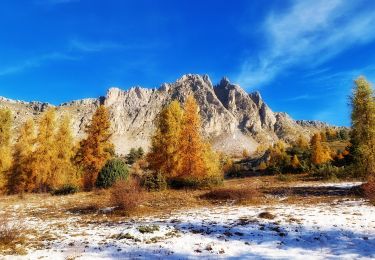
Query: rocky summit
[{"x": 232, "y": 119}]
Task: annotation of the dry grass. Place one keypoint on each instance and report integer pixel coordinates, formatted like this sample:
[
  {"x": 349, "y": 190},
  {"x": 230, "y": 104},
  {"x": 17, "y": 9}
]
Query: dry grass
[
  {"x": 126, "y": 195},
  {"x": 12, "y": 236},
  {"x": 232, "y": 194}
]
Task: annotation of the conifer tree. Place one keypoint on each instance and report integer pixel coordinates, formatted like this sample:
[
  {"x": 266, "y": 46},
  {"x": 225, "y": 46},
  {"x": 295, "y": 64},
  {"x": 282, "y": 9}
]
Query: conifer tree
[
  {"x": 44, "y": 157},
  {"x": 363, "y": 127},
  {"x": 96, "y": 149},
  {"x": 295, "y": 162},
  {"x": 278, "y": 155},
  {"x": 320, "y": 153},
  {"x": 65, "y": 171},
  {"x": 163, "y": 156},
  {"x": 191, "y": 148},
  {"x": 302, "y": 143},
  {"x": 20, "y": 177},
  {"x": 5, "y": 146}
]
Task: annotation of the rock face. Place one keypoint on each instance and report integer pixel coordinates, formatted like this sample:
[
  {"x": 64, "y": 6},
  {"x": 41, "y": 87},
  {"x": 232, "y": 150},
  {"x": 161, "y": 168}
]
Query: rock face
[{"x": 232, "y": 119}]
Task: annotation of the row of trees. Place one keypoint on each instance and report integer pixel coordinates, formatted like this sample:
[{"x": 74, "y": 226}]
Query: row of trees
[
  {"x": 357, "y": 160},
  {"x": 45, "y": 157}
]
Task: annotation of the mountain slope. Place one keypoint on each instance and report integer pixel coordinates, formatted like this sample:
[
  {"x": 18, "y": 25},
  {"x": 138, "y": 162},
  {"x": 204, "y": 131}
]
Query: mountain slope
[{"x": 232, "y": 119}]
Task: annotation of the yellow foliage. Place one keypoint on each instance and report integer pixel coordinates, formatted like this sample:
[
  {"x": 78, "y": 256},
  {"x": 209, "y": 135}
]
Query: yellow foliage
[
  {"x": 245, "y": 153},
  {"x": 178, "y": 149},
  {"x": 96, "y": 148},
  {"x": 262, "y": 166},
  {"x": 163, "y": 156},
  {"x": 20, "y": 177},
  {"x": 295, "y": 162},
  {"x": 65, "y": 171},
  {"x": 363, "y": 127},
  {"x": 302, "y": 142},
  {"x": 5, "y": 148},
  {"x": 43, "y": 162},
  {"x": 320, "y": 153},
  {"x": 278, "y": 155},
  {"x": 191, "y": 148}
]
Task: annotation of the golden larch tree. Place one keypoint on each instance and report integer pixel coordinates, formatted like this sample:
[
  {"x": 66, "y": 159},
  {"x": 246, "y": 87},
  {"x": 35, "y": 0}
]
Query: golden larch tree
[
  {"x": 20, "y": 177},
  {"x": 363, "y": 127},
  {"x": 320, "y": 153},
  {"x": 5, "y": 145},
  {"x": 295, "y": 163},
  {"x": 191, "y": 148},
  {"x": 96, "y": 149},
  {"x": 163, "y": 156},
  {"x": 212, "y": 162},
  {"x": 302, "y": 143},
  {"x": 64, "y": 168},
  {"x": 44, "y": 157}
]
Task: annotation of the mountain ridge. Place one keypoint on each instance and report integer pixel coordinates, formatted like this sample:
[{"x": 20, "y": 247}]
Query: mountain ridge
[{"x": 232, "y": 119}]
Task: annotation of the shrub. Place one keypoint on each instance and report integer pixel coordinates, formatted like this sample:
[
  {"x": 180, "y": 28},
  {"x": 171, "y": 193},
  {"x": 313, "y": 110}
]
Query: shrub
[
  {"x": 194, "y": 183},
  {"x": 328, "y": 172},
  {"x": 134, "y": 155},
  {"x": 11, "y": 235},
  {"x": 236, "y": 170},
  {"x": 126, "y": 194},
  {"x": 148, "y": 229},
  {"x": 266, "y": 215},
  {"x": 112, "y": 171},
  {"x": 241, "y": 194},
  {"x": 65, "y": 190},
  {"x": 285, "y": 177},
  {"x": 154, "y": 182},
  {"x": 369, "y": 189}
]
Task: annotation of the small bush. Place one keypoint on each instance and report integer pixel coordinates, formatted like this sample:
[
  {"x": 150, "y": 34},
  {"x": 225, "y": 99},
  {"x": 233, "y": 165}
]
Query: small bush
[
  {"x": 286, "y": 177},
  {"x": 369, "y": 189},
  {"x": 266, "y": 215},
  {"x": 328, "y": 172},
  {"x": 148, "y": 229},
  {"x": 65, "y": 190},
  {"x": 11, "y": 235},
  {"x": 194, "y": 183},
  {"x": 134, "y": 155},
  {"x": 126, "y": 195},
  {"x": 228, "y": 194},
  {"x": 236, "y": 170},
  {"x": 154, "y": 182},
  {"x": 112, "y": 171}
]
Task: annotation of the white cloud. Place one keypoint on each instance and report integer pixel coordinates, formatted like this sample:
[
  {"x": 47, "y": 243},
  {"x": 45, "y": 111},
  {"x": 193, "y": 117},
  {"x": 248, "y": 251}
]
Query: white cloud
[
  {"x": 33, "y": 62},
  {"x": 308, "y": 33},
  {"x": 88, "y": 46}
]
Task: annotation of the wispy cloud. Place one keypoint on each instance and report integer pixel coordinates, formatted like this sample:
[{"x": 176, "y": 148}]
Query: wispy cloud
[
  {"x": 301, "y": 97},
  {"x": 90, "y": 46},
  {"x": 74, "y": 50},
  {"x": 33, "y": 62},
  {"x": 308, "y": 33},
  {"x": 102, "y": 45},
  {"x": 54, "y": 2}
]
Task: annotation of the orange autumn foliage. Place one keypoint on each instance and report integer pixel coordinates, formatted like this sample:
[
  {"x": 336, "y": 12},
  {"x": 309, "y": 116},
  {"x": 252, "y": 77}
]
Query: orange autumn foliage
[
  {"x": 191, "y": 161},
  {"x": 96, "y": 149},
  {"x": 320, "y": 153}
]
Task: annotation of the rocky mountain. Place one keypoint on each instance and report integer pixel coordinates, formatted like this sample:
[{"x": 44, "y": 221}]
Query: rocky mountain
[{"x": 232, "y": 119}]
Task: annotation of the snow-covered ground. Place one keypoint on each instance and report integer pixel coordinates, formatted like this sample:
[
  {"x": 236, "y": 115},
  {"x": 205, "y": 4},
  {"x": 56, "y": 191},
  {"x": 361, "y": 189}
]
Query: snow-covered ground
[{"x": 341, "y": 229}]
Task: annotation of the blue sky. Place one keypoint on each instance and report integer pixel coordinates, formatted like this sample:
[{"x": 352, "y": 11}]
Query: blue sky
[{"x": 301, "y": 55}]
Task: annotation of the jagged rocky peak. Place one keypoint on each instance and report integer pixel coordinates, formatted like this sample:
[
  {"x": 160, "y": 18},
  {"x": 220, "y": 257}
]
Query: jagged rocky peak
[
  {"x": 82, "y": 102},
  {"x": 257, "y": 98},
  {"x": 312, "y": 123},
  {"x": 231, "y": 118}
]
